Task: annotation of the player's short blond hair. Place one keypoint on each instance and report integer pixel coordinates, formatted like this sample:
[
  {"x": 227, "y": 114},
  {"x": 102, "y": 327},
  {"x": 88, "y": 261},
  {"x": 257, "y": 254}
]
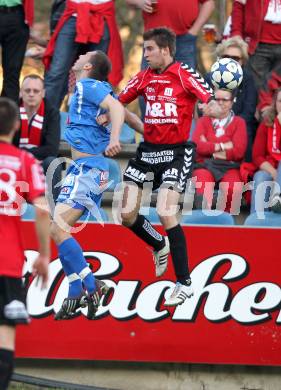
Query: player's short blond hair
[{"x": 233, "y": 42}]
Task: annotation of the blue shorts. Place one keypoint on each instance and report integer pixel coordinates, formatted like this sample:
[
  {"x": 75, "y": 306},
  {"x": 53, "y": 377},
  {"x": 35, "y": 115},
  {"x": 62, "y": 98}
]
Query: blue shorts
[{"x": 86, "y": 179}]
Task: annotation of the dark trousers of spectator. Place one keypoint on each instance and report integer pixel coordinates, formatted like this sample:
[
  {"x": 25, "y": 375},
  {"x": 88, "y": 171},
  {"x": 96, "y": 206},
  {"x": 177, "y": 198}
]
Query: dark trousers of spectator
[
  {"x": 14, "y": 35},
  {"x": 66, "y": 51},
  {"x": 53, "y": 179},
  {"x": 265, "y": 60}
]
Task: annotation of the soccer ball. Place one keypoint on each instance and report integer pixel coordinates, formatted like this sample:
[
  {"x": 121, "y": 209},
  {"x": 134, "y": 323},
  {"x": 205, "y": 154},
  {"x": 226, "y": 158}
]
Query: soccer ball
[{"x": 226, "y": 74}]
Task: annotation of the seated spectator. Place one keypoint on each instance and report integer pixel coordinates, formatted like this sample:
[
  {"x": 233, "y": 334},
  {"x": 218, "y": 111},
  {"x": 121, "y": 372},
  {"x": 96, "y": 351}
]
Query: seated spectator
[
  {"x": 221, "y": 146},
  {"x": 245, "y": 102},
  {"x": 40, "y": 127},
  {"x": 267, "y": 157},
  {"x": 266, "y": 95}
]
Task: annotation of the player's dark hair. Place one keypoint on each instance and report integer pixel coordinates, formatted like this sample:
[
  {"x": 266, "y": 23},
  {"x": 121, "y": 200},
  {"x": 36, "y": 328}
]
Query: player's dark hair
[
  {"x": 33, "y": 76},
  {"x": 9, "y": 113},
  {"x": 163, "y": 37},
  {"x": 101, "y": 66}
]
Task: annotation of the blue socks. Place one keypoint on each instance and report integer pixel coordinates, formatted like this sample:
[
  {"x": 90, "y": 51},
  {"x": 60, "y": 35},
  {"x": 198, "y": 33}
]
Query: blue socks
[{"x": 76, "y": 268}]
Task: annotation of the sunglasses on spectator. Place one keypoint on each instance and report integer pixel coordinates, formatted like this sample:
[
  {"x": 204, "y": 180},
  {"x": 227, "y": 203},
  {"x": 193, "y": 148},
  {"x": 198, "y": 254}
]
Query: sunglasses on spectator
[
  {"x": 223, "y": 100},
  {"x": 235, "y": 58}
]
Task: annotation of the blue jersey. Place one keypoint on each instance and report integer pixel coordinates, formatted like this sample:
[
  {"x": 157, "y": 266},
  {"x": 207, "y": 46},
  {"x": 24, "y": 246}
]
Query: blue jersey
[{"x": 83, "y": 132}]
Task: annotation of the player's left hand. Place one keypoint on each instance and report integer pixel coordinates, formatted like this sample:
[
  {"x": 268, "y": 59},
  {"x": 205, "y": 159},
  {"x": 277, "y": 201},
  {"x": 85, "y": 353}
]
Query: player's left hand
[
  {"x": 211, "y": 109},
  {"x": 103, "y": 120},
  {"x": 40, "y": 269},
  {"x": 113, "y": 148}
]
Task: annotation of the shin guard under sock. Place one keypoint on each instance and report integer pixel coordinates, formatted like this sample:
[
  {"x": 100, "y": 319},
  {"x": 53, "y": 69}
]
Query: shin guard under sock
[
  {"x": 75, "y": 262},
  {"x": 179, "y": 253},
  {"x": 75, "y": 288},
  {"x": 6, "y": 367},
  {"x": 144, "y": 230}
]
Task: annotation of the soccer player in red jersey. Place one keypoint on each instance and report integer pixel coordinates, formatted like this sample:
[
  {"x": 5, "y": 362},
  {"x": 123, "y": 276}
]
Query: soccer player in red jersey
[
  {"x": 165, "y": 158},
  {"x": 21, "y": 179}
]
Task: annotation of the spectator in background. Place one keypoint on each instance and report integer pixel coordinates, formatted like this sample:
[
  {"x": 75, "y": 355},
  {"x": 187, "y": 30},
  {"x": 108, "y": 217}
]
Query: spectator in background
[
  {"x": 84, "y": 26},
  {"x": 57, "y": 10},
  {"x": 267, "y": 157},
  {"x": 16, "y": 17},
  {"x": 266, "y": 95},
  {"x": 259, "y": 24},
  {"x": 221, "y": 146},
  {"x": 39, "y": 127},
  {"x": 38, "y": 51},
  {"x": 174, "y": 15},
  {"x": 245, "y": 101}
]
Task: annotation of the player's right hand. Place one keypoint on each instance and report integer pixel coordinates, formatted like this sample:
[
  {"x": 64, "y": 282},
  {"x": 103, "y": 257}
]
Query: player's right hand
[
  {"x": 113, "y": 148},
  {"x": 41, "y": 269},
  {"x": 148, "y": 5}
]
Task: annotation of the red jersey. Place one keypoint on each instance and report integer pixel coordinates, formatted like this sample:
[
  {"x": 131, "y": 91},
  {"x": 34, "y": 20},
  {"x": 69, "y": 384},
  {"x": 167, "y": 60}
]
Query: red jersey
[
  {"x": 235, "y": 132},
  {"x": 170, "y": 97},
  {"x": 173, "y": 14},
  {"x": 21, "y": 178}
]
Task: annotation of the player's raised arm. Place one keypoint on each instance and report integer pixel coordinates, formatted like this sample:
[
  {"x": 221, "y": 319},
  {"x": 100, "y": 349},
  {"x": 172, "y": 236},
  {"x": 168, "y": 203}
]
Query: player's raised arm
[{"x": 117, "y": 115}]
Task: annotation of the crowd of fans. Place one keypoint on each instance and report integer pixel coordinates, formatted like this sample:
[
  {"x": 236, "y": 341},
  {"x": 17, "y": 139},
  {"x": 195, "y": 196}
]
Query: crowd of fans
[{"x": 244, "y": 144}]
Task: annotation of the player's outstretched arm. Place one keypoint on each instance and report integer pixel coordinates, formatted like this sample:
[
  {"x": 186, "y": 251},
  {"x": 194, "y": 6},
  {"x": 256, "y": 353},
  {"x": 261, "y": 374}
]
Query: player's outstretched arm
[
  {"x": 133, "y": 121},
  {"x": 42, "y": 223},
  {"x": 117, "y": 115}
]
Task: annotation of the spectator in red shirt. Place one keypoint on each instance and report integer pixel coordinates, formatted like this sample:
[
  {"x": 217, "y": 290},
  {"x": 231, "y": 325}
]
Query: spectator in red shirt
[
  {"x": 173, "y": 14},
  {"x": 266, "y": 95},
  {"x": 221, "y": 146},
  {"x": 245, "y": 102},
  {"x": 17, "y": 166},
  {"x": 259, "y": 24},
  {"x": 267, "y": 158}
]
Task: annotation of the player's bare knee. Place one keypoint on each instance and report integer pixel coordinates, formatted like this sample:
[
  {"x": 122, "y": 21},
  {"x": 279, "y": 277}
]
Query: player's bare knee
[
  {"x": 42, "y": 212},
  {"x": 168, "y": 222},
  {"x": 128, "y": 219},
  {"x": 57, "y": 233}
]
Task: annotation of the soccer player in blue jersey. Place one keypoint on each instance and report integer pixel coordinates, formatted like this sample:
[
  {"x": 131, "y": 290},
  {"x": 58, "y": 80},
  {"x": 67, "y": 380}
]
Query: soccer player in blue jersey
[{"x": 83, "y": 185}]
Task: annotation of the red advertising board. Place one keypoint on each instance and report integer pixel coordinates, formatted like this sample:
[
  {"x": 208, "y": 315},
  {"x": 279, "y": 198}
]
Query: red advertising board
[{"x": 233, "y": 318}]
